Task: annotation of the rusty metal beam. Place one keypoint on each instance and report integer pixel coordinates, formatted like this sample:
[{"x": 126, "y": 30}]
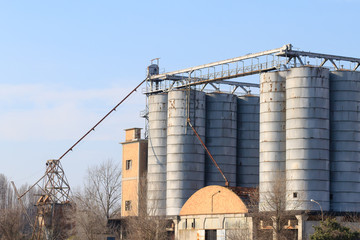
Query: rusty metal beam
[
  {"x": 93, "y": 128},
  {"x": 208, "y": 152}
]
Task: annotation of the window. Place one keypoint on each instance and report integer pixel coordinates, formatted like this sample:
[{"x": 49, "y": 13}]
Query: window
[
  {"x": 193, "y": 223},
  {"x": 210, "y": 235},
  {"x": 127, "y": 205},
  {"x": 128, "y": 164},
  {"x": 295, "y": 194}
]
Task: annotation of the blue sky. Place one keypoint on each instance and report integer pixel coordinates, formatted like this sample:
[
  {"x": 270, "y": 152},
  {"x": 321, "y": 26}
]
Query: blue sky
[{"x": 65, "y": 64}]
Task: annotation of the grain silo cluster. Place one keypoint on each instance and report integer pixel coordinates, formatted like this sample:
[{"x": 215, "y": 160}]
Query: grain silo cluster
[
  {"x": 308, "y": 136},
  {"x": 302, "y": 129},
  {"x": 177, "y": 163},
  {"x": 218, "y": 153}
]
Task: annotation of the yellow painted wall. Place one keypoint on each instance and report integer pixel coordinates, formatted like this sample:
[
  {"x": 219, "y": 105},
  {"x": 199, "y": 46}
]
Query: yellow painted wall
[
  {"x": 130, "y": 152},
  {"x": 136, "y": 150},
  {"x": 132, "y": 134},
  {"x": 130, "y": 190}
]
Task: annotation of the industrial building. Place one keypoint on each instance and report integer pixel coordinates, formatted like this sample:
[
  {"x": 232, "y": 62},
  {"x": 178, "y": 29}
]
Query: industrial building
[{"x": 299, "y": 125}]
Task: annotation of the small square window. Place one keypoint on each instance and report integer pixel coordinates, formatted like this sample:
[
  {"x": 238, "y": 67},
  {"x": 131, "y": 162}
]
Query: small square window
[
  {"x": 127, "y": 205},
  {"x": 295, "y": 194},
  {"x": 128, "y": 164}
]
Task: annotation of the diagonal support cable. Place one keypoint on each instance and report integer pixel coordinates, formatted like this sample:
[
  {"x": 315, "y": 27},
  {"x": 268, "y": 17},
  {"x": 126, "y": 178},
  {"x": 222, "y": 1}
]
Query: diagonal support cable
[
  {"x": 208, "y": 152},
  {"x": 93, "y": 128}
]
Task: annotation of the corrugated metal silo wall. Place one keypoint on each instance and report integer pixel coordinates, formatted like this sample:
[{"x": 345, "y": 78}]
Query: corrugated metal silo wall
[
  {"x": 221, "y": 138},
  {"x": 307, "y": 138},
  {"x": 248, "y": 141},
  {"x": 156, "y": 175},
  {"x": 345, "y": 141},
  {"x": 272, "y": 135},
  {"x": 185, "y": 155}
]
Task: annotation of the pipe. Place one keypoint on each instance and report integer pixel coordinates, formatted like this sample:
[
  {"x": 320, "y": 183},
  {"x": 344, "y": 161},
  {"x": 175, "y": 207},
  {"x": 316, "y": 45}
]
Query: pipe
[
  {"x": 93, "y": 128},
  {"x": 208, "y": 152}
]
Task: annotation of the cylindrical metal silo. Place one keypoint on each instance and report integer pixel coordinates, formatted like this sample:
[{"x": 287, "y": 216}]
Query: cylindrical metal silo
[
  {"x": 185, "y": 155},
  {"x": 307, "y": 138},
  {"x": 157, "y": 135},
  {"x": 272, "y": 136},
  {"x": 345, "y": 141},
  {"x": 247, "y": 173},
  {"x": 221, "y": 138}
]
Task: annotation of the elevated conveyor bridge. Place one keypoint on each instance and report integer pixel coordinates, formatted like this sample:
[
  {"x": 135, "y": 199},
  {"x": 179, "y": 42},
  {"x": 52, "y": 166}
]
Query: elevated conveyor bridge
[{"x": 213, "y": 74}]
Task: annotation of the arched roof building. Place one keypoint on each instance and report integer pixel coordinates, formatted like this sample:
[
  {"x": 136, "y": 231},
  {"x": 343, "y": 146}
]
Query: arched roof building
[{"x": 216, "y": 211}]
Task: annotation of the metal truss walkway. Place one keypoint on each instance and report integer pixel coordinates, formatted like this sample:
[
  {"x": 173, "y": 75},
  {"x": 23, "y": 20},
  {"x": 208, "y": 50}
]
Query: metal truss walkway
[{"x": 218, "y": 72}]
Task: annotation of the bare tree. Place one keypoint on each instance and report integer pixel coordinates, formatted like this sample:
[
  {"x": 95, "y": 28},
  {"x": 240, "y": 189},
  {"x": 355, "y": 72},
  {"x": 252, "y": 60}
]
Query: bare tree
[
  {"x": 13, "y": 224},
  {"x": 273, "y": 216},
  {"x": 90, "y": 224},
  {"x": 99, "y": 200},
  {"x": 7, "y": 199},
  {"x": 146, "y": 225},
  {"x": 18, "y": 219},
  {"x": 275, "y": 203},
  {"x": 239, "y": 232},
  {"x": 352, "y": 219},
  {"x": 104, "y": 187}
]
